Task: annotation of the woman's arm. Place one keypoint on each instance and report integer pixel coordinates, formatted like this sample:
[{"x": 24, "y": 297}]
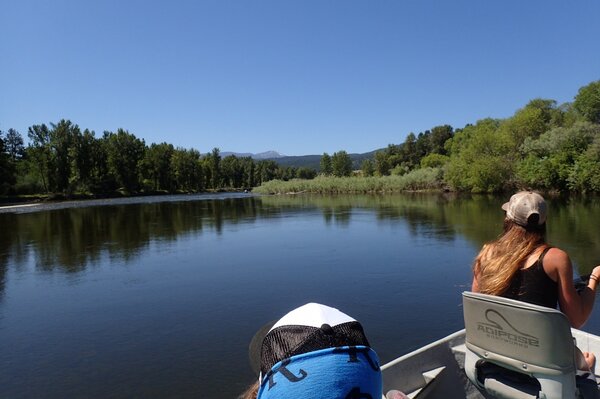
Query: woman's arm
[{"x": 577, "y": 307}]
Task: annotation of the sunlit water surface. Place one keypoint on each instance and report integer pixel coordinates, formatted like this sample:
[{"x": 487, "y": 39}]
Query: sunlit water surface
[{"x": 159, "y": 297}]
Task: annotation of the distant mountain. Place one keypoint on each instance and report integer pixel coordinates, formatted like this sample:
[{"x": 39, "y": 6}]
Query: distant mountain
[
  {"x": 306, "y": 161},
  {"x": 262, "y": 155},
  {"x": 313, "y": 161}
]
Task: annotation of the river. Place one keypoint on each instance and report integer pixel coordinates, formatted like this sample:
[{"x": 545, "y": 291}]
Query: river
[{"x": 158, "y": 297}]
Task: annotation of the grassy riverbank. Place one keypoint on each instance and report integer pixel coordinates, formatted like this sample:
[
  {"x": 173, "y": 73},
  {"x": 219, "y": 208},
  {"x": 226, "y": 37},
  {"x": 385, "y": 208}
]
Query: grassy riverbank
[{"x": 421, "y": 179}]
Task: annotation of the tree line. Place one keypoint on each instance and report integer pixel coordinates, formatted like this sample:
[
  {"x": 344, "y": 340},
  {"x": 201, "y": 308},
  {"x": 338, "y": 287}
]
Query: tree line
[
  {"x": 543, "y": 146},
  {"x": 61, "y": 158}
]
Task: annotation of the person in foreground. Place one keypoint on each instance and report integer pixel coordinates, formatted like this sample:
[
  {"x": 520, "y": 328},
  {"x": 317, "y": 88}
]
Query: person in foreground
[
  {"x": 314, "y": 351},
  {"x": 521, "y": 265}
]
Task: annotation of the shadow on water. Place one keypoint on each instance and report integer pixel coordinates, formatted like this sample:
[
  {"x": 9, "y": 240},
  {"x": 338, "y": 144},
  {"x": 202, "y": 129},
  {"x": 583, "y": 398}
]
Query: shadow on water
[{"x": 70, "y": 239}]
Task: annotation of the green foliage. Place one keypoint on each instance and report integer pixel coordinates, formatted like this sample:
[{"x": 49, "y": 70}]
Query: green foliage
[
  {"x": 62, "y": 139},
  {"x": 421, "y": 179},
  {"x": 341, "y": 164},
  {"x": 403, "y": 158},
  {"x": 367, "y": 168},
  {"x": 587, "y": 102},
  {"x": 156, "y": 166},
  {"x": 531, "y": 121},
  {"x": 543, "y": 145},
  {"x": 552, "y": 157},
  {"x": 214, "y": 168},
  {"x": 584, "y": 176},
  {"x": 382, "y": 164},
  {"x": 7, "y": 168},
  {"x": 437, "y": 139},
  {"x": 13, "y": 143},
  {"x": 480, "y": 159},
  {"x": 325, "y": 164},
  {"x": 434, "y": 160},
  {"x": 265, "y": 170},
  {"x": 399, "y": 170},
  {"x": 40, "y": 154},
  {"x": 125, "y": 152},
  {"x": 306, "y": 173},
  {"x": 187, "y": 170},
  {"x": 232, "y": 171}
]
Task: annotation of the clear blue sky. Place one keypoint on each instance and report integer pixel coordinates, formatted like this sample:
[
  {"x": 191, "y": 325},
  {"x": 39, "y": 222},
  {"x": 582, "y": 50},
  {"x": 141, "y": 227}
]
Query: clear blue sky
[{"x": 298, "y": 77}]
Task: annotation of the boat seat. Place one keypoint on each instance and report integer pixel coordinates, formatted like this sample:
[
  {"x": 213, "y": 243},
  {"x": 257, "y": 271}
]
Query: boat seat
[{"x": 518, "y": 350}]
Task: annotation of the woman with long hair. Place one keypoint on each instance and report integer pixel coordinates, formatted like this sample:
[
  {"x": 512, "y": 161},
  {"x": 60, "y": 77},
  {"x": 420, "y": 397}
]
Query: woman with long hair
[{"x": 521, "y": 265}]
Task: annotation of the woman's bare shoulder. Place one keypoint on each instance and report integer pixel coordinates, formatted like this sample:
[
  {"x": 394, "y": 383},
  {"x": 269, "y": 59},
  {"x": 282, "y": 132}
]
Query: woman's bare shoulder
[{"x": 557, "y": 258}]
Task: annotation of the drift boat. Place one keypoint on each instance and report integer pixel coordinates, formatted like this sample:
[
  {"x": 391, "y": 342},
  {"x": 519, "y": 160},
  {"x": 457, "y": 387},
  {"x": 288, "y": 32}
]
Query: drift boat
[{"x": 508, "y": 349}]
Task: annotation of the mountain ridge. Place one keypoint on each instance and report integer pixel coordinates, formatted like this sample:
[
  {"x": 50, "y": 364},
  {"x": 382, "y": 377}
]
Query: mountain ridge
[{"x": 306, "y": 161}]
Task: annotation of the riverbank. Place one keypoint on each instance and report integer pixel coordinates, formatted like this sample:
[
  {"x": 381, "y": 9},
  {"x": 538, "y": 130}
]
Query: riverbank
[{"x": 8, "y": 201}]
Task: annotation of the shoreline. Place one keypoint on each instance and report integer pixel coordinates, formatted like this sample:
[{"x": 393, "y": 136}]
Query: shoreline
[
  {"x": 20, "y": 205},
  {"x": 18, "y": 201}
]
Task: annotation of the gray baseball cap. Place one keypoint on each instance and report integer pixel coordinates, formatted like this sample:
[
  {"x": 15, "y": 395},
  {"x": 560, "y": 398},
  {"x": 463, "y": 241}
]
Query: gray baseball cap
[{"x": 524, "y": 204}]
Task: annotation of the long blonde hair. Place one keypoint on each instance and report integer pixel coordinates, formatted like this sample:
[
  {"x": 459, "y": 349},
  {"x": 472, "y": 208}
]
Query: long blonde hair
[{"x": 499, "y": 260}]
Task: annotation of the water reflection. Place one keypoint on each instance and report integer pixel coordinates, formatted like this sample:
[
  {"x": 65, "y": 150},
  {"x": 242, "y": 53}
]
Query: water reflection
[
  {"x": 161, "y": 298},
  {"x": 71, "y": 239},
  {"x": 478, "y": 218}
]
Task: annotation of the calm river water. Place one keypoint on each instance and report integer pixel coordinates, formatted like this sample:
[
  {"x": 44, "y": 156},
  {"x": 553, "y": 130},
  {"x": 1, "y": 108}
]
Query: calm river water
[{"x": 159, "y": 297}]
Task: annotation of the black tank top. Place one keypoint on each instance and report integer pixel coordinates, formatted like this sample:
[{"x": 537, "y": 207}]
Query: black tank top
[{"x": 533, "y": 285}]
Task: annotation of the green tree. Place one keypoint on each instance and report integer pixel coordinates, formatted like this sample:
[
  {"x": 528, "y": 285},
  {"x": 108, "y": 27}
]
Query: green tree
[
  {"x": 214, "y": 168},
  {"x": 13, "y": 143},
  {"x": 156, "y": 166},
  {"x": 529, "y": 122},
  {"x": 434, "y": 160},
  {"x": 367, "y": 167},
  {"x": 249, "y": 167},
  {"x": 100, "y": 178},
  {"x": 7, "y": 169},
  {"x": 439, "y": 136},
  {"x": 40, "y": 155},
  {"x": 306, "y": 173},
  {"x": 232, "y": 171},
  {"x": 584, "y": 176},
  {"x": 125, "y": 153},
  {"x": 285, "y": 173},
  {"x": 481, "y": 159},
  {"x": 341, "y": 163},
  {"x": 325, "y": 164},
  {"x": 85, "y": 173},
  {"x": 382, "y": 164},
  {"x": 187, "y": 170},
  {"x": 265, "y": 170},
  {"x": 587, "y": 102},
  {"x": 62, "y": 138},
  {"x": 552, "y": 157},
  {"x": 409, "y": 156}
]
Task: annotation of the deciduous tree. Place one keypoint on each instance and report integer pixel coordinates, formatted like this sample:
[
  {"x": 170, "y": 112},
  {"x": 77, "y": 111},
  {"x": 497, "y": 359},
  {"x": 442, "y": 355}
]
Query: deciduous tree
[
  {"x": 125, "y": 152},
  {"x": 587, "y": 102},
  {"x": 341, "y": 163},
  {"x": 325, "y": 164}
]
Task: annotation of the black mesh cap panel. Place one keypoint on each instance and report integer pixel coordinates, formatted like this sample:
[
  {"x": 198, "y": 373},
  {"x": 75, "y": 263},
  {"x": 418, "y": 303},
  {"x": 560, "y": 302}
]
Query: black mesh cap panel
[{"x": 287, "y": 341}]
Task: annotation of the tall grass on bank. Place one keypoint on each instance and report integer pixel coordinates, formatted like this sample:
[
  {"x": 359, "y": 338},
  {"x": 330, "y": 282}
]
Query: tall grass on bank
[{"x": 421, "y": 179}]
